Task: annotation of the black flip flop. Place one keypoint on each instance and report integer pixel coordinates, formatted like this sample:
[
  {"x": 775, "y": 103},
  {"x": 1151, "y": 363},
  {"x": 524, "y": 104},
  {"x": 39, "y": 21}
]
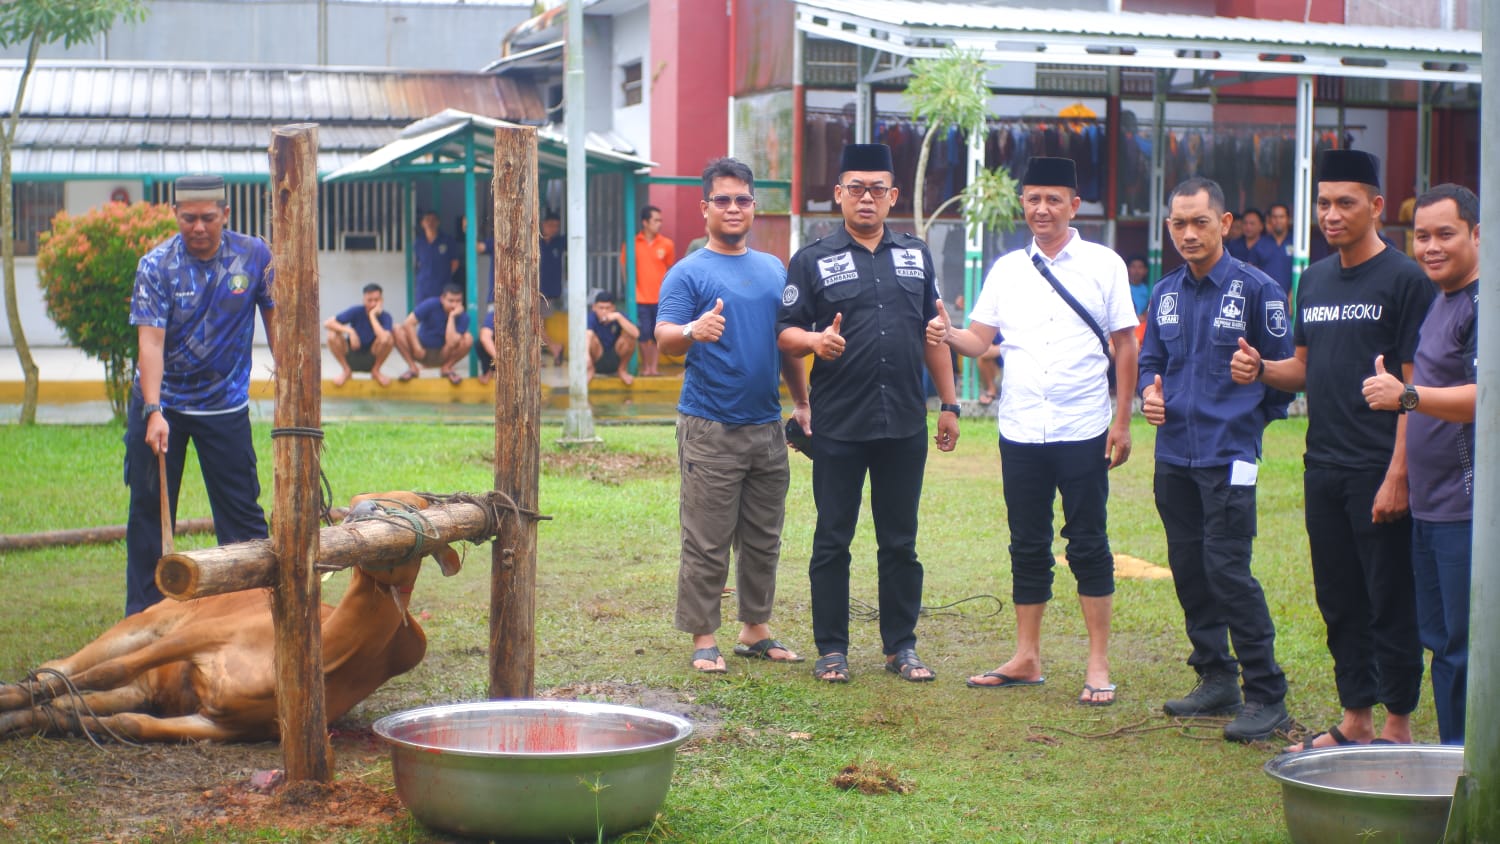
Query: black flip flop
[
  {"x": 762, "y": 650},
  {"x": 708, "y": 654}
]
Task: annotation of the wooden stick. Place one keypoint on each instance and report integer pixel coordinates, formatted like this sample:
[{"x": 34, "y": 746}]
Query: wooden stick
[
  {"x": 252, "y": 565},
  {"x": 296, "y": 602},
  {"x": 166, "y": 505},
  {"x": 518, "y": 356},
  {"x": 107, "y": 533}
]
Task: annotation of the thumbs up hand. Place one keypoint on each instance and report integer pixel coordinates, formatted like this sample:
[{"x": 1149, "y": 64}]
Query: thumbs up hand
[
  {"x": 710, "y": 327},
  {"x": 1382, "y": 391},
  {"x": 829, "y": 344},
  {"x": 1246, "y": 366},
  {"x": 1154, "y": 402},
  {"x": 939, "y": 327}
]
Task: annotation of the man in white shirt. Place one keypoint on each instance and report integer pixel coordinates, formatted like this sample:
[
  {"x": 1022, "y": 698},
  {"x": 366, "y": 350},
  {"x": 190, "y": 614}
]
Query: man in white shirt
[{"x": 1056, "y": 434}]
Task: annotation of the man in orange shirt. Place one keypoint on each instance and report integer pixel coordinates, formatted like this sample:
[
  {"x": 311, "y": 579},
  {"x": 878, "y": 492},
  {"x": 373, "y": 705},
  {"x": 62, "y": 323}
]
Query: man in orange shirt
[{"x": 654, "y": 255}]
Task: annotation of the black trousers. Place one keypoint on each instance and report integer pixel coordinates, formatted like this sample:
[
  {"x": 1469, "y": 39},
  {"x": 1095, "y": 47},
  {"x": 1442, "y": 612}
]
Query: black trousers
[
  {"x": 226, "y": 455},
  {"x": 1033, "y": 474},
  {"x": 1210, "y": 528},
  {"x": 1363, "y": 579},
  {"x": 895, "y": 467}
]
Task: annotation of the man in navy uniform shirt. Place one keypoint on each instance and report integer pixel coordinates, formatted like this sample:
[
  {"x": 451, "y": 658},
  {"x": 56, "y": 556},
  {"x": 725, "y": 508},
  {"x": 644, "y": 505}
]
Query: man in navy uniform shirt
[
  {"x": 1207, "y": 443},
  {"x": 194, "y": 310},
  {"x": 859, "y": 300}
]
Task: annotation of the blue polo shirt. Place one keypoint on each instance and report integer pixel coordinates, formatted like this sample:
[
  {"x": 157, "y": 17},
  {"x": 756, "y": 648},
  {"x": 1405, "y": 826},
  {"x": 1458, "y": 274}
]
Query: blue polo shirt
[
  {"x": 1193, "y": 329},
  {"x": 434, "y": 264},
  {"x": 551, "y": 266},
  {"x": 735, "y": 380},
  {"x": 358, "y": 318},
  {"x": 432, "y": 323},
  {"x": 208, "y": 311}
]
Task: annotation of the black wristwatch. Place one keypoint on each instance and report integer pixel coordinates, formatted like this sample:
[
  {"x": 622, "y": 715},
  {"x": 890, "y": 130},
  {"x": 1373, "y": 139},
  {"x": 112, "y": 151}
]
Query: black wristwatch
[
  {"x": 148, "y": 410},
  {"x": 955, "y": 409},
  {"x": 1409, "y": 398}
]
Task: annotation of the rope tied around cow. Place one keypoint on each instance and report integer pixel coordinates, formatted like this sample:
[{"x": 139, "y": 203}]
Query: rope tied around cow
[{"x": 495, "y": 505}]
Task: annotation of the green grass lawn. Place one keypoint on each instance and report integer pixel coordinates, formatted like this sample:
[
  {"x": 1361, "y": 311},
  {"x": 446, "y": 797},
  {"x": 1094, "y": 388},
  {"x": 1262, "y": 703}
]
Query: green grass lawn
[{"x": 1007, "y": 765}]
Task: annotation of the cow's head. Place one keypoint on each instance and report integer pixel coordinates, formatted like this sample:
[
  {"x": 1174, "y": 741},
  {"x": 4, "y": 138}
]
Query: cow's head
[{"x": 397, "y": 505}]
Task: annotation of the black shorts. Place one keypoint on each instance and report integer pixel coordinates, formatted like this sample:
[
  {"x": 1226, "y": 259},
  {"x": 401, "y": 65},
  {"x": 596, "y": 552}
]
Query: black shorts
[
  {"x": 360, "y": 360},
  {"x": 645, "y": 320},
  {"x": 608, "y": 363}
]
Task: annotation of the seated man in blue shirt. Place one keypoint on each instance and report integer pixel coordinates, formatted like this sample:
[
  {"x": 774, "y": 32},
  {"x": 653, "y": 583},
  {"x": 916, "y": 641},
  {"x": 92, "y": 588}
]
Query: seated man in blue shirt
[
  {"x": 612, "y": 339},
  {"x": 360, "y": 338},
  {"x": 436, "y": 334}
]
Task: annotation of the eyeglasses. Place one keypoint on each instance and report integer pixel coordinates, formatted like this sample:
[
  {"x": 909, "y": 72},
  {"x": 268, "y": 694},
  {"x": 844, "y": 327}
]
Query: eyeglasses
[
  {"x": 194, "y": 219},
  {"x": 722, "y": 201},
  {"x": 875, "y": 191}
]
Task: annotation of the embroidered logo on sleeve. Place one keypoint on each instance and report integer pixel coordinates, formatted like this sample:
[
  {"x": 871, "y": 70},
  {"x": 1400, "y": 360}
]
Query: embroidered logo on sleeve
[
  {"x": 789, "y": 295},
  {"x": 908, "y": 262},
  {"x": 1276, "y": 322},
  {"x": 1166, "y": 309},
  {"x": 836, "y": 268}
]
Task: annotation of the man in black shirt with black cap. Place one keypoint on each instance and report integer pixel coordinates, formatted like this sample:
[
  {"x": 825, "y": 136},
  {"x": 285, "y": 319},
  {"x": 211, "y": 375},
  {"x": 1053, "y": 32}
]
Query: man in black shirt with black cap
[
  {"x": 860, "y": 300},
  {"x": 1366, "y": 300}
]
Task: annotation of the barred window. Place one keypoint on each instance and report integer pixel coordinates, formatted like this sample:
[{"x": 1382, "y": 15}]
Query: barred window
[
  {"x": 35, "y": 204},
  {"x": 352, "y": 216}
]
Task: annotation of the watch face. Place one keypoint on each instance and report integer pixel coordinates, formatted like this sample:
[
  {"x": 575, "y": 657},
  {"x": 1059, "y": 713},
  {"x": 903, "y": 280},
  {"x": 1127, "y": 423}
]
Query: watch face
[{"x": 1409, "y": 399}]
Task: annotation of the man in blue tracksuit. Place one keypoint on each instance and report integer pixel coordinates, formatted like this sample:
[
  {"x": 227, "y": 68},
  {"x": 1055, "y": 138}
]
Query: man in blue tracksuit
[{"x": 1207, "y": 445}]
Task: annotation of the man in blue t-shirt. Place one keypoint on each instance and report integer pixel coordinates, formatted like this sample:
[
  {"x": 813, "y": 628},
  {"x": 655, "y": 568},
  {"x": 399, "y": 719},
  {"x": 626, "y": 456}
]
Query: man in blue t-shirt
[
  {"x": 436, "y": 259},
  {"x": 436, "y": 334},
  {"x": 719, "y": 307},
  {"x": 1439, "y": 407},
  {"x": 551, "y": 251},
  {"x": 486, "y": 349},
  {"x": 360, "y": 338},
  {"x": 194, "y": 310}
]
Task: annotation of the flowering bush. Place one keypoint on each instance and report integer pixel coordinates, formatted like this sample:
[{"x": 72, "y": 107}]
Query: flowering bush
[{"x": 87, "y": 267}]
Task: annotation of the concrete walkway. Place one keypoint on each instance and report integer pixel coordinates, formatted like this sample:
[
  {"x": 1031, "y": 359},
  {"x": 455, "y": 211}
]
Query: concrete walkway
[{"x": 71, "y": 390}]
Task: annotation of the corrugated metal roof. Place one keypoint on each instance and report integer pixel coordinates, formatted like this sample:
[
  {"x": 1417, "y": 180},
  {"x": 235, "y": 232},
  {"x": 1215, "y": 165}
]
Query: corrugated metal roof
[
  {"x": 1140, "y": 39},
  {"x": 97, "y": 119}
]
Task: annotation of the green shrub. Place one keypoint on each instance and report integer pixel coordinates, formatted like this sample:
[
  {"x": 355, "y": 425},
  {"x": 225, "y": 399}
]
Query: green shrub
[{"x": 87, "y": 268}]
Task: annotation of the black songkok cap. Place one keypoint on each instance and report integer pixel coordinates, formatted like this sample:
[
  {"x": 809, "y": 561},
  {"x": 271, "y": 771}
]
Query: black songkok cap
[
  {"x": 191, "y": 188},
  {"x": 1349, "y": 165},
  {"x": 1051, "y": 172},
  {"x": 866, "y": 158}
]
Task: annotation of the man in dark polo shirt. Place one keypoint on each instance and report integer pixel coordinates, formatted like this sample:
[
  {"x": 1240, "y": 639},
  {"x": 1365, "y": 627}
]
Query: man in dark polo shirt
[
  {"x": 1439, "y": 406},
  {"x": 1366, "y": 299},
  {"x": 859, "y": 300}
]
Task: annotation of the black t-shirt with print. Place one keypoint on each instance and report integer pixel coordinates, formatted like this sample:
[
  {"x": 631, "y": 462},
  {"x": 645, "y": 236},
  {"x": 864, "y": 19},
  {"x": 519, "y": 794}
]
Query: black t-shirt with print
[{"x": 1345, "y": 317}]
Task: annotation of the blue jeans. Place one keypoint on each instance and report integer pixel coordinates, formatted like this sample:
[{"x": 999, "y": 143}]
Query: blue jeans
[{"x": 1441, "y": 555}]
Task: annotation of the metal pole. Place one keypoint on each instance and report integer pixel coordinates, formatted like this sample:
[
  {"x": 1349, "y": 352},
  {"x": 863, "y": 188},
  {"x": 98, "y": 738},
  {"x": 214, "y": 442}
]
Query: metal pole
[
  {"x": 1479, "y": 791},
  {"x": 973, "y": 262},
  {"x": 1302, "y": 185},
  {"x": 1158, "y": 170},
  {"x": 471, "y": 250},
  {"x": 1424, "y": 138},
  {"x": 578, "y": 423}
]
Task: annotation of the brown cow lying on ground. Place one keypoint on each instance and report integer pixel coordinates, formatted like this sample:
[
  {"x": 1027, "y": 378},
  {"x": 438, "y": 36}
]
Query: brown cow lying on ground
[{"x": 205, "y": 668}]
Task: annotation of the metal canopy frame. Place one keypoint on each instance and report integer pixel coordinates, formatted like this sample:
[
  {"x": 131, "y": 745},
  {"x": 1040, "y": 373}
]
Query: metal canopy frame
[{"x": 458, "y": 144}]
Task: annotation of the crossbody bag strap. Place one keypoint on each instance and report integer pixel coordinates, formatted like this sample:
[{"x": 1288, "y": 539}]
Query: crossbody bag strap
[{"x": 1088, "y": 319}]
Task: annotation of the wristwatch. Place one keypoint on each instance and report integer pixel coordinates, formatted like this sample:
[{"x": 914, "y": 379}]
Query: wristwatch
[
  {"x": 955, "y": 409},
  {"x": 1409, "y": 398},
  {"x": 687, "y": 330},
  {"x": 148, "y": 410}
]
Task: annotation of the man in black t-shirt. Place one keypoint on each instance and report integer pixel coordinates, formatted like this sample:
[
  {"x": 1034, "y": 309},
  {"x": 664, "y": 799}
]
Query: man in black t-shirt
[{"x": 1367, "y": 300}]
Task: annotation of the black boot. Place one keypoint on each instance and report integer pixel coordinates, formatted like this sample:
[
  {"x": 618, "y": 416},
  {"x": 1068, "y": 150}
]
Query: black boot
[
  {"x": 1258, "y": 721},
  {"x": 1215, "y": 694}
]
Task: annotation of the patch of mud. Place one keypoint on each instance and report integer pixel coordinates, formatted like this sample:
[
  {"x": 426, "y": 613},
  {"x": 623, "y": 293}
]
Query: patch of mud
[
  {"x": 610, "y": 468},
  {"x": 872, "y": 778}
]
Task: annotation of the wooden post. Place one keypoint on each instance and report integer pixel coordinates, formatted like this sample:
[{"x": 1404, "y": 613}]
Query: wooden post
[
  {"x": 252, "y": 564},
  {"x": 518, "y": 361},
  {"x": 296, "y": 600}
]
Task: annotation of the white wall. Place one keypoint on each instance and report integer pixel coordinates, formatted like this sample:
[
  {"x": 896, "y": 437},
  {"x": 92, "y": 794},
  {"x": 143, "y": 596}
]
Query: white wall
[{"x": 632, "y": 42}]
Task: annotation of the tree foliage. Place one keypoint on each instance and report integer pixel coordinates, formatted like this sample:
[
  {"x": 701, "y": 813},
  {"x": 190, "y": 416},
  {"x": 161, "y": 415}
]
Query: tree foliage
[
  {"x": 951, "y": 91},
  {"x": 87, "y": 266},
  {"x": 34, "y": 23}
]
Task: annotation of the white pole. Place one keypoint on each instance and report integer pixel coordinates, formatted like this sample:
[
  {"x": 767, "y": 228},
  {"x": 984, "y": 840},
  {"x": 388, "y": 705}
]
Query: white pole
[
  {"x": 1302, "y": 186},
  {"x": 578, "y": 423}
]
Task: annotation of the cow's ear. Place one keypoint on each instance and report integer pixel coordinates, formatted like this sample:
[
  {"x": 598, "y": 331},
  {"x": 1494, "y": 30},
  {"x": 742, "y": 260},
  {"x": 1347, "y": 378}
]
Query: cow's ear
[{"x": 447, "y": 560}]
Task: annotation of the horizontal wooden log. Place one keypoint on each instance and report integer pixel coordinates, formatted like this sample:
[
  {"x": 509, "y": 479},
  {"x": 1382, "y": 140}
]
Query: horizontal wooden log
[
  {"x": 379, "y": 541},
  {"x": 104, "y": 533}
]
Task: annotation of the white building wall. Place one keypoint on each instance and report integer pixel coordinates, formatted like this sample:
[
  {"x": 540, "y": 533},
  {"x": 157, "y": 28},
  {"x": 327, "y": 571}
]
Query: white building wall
[{"x": 632, "y": 43}]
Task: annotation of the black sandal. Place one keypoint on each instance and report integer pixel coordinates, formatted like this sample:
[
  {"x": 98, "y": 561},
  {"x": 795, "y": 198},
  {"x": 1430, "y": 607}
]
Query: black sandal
[
  {"x": 906, "y": 663},
  {"x": 708, "y": 654},
  {"x": 835, "y": 664}
]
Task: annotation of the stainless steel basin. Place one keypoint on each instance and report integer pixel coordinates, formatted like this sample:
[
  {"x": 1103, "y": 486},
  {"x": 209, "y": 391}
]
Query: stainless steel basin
[
  {"x": 1364, "y": 793},
  {"x": 529, "y": 770}
]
